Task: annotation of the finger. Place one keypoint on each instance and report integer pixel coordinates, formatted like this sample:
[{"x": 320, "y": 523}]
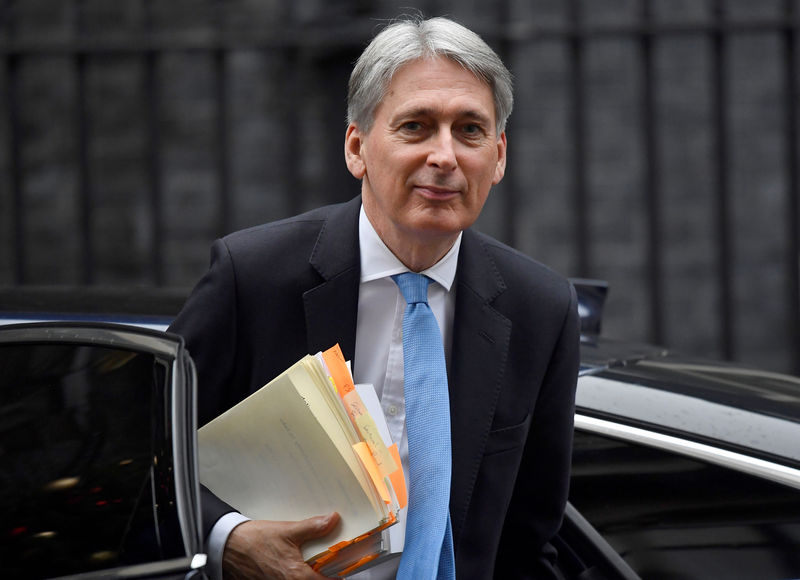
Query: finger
[{"x": 311, "y": 528}]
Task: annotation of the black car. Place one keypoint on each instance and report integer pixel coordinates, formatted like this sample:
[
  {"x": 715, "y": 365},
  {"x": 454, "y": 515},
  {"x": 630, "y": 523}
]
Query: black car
[
  {"x": 688, "y": 468},
  {"x": 682, "y": 468}
]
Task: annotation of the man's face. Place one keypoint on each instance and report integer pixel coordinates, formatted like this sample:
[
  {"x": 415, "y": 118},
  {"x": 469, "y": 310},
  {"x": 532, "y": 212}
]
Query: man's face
[{"x": 431, "y": 155}]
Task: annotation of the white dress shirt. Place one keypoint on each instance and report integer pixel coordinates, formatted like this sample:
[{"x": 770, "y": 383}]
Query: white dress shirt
[{"x": 378, "y": 359}]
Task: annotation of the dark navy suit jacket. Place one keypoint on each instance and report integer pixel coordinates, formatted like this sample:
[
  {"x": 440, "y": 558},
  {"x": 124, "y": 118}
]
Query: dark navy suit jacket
[{"x": 278, "y": 291}]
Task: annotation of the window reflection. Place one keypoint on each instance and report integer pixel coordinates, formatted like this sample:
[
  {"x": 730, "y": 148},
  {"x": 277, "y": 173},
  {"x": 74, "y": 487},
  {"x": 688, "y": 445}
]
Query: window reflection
[
  {"x": 678, "y": 518},
  {"x": 77, "y": 442}
]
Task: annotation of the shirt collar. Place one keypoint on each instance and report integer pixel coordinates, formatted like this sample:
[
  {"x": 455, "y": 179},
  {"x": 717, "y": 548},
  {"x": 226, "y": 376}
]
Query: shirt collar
[{"x": 378, "y": 261}]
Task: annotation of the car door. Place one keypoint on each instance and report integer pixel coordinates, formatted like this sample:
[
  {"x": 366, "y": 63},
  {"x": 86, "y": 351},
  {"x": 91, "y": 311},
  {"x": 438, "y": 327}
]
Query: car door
[
  {"x": 671, "y": 515},
  {"x": 98, "y": 474}
]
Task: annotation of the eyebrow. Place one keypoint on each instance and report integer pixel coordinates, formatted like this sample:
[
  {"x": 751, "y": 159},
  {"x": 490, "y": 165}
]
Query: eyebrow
[{"x": 429, "y": 112}]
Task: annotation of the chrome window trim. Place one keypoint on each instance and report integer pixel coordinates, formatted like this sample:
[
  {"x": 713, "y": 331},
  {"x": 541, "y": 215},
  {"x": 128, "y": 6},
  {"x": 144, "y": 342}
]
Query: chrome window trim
[
  {"x": 184, "y": 442},
  {"x": 6, "y": 320},
  {"x": 704, "y": 452},
  {"x": 107, "y": 335}
]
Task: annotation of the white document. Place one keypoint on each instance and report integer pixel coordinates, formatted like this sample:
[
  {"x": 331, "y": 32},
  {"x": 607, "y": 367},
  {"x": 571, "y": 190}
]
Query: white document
[{"x": 282, "y": 455}]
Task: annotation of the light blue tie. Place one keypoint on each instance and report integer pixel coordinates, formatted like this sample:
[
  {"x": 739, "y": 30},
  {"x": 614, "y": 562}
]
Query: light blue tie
[{"x": 428, "y": 551}]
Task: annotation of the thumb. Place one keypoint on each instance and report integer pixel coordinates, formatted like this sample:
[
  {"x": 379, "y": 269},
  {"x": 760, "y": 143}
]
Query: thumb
[{"x": 311, "y": 528}]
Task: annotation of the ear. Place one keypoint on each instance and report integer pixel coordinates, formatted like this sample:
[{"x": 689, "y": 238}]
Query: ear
[
  {"x": 353, "y": 144},
  {"x": 500, "y": 170}
]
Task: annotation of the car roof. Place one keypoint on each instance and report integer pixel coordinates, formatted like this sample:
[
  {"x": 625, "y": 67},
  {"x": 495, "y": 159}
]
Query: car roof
[{"x": 735, "y": 405}]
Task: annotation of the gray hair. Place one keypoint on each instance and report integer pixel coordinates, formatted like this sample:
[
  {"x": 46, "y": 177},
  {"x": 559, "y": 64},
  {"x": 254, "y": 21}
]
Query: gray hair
[{"x": 408, "y": 40}]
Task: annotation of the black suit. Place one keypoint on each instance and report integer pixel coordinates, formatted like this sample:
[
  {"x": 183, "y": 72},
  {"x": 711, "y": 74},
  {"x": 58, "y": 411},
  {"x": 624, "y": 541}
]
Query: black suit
[{"x": 279, "y": 291}]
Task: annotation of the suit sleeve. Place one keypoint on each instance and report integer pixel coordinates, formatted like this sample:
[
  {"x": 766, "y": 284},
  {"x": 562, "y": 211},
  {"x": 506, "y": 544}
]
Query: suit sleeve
[
  {"x": 207, "y": 323},
  {"x": 541, "y": 490}
]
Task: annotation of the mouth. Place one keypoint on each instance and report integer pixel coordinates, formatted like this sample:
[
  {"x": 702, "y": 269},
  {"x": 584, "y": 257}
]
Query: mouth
[{"x": 436, "y": 193}]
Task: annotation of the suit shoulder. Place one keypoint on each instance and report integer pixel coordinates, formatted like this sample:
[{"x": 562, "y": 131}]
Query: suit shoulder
[
  {"x": 284, "y": 237},
  {"x": 298, "y": 225},
  {"x": 520, "y": 270}
]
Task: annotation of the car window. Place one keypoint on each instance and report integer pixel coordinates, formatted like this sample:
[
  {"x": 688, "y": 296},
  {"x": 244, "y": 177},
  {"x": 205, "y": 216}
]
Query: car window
[
  {"x": 674, "y": 517},
  {"x": 86, "y": 478}
]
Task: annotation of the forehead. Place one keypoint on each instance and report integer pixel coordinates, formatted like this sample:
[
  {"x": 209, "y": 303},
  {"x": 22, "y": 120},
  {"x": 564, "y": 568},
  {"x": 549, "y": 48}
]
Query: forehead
[{"x": 437, "y": 81}]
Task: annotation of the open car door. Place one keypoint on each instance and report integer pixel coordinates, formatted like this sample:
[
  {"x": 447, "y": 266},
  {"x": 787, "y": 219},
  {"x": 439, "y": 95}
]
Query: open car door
[{"x": 98, "y": 473}]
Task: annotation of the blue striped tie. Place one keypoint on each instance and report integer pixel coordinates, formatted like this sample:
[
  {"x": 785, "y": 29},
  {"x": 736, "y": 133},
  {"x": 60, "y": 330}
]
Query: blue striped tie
[{"x": 428, "y": 551}]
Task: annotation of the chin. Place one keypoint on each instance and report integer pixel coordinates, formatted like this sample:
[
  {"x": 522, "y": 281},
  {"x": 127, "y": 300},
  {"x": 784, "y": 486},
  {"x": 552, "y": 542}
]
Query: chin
[
  {"x": 437, "y": 229},
  {"x": 443, "y": 218}
]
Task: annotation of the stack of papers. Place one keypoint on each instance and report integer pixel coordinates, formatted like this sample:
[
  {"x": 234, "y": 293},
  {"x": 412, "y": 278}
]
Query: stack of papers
[{"x": 307, "y": 444}]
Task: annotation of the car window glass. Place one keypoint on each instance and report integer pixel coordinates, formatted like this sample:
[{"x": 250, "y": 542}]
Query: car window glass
[
  {"x": 84, "y": 475},
  {"x": 679, "y": 518}
]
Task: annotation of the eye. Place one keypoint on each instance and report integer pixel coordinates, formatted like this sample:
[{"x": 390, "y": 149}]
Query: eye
[
  {"x": 472, "y": 130},
  {"x": 412, "y": 126}
]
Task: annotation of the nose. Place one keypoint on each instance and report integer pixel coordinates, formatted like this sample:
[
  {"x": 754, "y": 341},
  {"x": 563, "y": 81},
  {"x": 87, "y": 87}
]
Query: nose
[{"x": 442, "y": 154}]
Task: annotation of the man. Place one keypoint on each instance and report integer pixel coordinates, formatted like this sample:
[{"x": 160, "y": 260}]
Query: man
[{"x": 427, "y": 107}]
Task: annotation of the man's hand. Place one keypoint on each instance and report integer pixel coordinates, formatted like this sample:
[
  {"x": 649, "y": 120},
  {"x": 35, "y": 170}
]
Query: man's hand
[{"x": 264, "y": 549}]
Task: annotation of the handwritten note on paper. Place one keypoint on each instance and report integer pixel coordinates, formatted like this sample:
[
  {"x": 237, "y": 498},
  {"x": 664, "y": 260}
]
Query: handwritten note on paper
[
  {"x": 360, "y": 416},
  {"x": 394, "y": 537}
]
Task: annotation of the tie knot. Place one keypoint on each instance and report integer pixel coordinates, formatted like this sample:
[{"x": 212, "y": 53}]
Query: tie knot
[{"x": 414, "y": 287}]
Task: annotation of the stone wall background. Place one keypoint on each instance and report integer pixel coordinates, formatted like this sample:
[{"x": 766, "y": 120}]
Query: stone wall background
[{"x": 135, "y": 132}]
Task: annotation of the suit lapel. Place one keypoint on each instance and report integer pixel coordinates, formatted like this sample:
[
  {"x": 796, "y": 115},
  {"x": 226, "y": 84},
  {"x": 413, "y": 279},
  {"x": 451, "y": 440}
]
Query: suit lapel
[
  {"x": 331, "y": 308},
  {"x": 480, "y": 346}
]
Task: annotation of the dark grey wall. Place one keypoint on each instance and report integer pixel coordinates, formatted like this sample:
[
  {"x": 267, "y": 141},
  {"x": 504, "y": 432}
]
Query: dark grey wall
[{"x": 653, "y": 145}]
